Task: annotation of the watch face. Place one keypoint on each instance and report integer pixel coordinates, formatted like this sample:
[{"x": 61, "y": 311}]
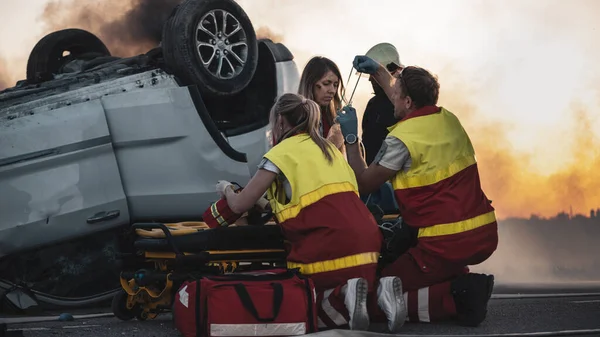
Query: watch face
[{"x": 351, "y": 139}]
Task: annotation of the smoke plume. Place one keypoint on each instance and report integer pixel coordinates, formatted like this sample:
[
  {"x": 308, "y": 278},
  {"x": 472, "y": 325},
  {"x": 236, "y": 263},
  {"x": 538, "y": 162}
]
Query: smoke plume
[
  {"x": 132, "y": 33},
  {"x": 523, "y": 91},
  {"x": 509, "y": 177},
  {"x": 126, "y": 27},
  {"x": 265, "y": 32},
  {"x": 491, "y": 62}
]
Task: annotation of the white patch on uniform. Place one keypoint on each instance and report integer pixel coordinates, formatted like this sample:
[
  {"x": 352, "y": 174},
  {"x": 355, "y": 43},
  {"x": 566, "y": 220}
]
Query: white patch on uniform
[
  {"x": 335, "y": 316},
  {"x": 184, "y": 296}
]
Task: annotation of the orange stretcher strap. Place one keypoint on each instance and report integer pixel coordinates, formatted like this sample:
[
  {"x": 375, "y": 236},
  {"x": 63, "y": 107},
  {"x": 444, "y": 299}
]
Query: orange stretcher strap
[{"x": 176, "y": 229}]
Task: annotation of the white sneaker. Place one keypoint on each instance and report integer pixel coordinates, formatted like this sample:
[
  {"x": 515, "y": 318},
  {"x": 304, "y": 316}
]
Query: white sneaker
[
  {"x": 355, "y": 292},
  {"x": 391, "y": 301}
]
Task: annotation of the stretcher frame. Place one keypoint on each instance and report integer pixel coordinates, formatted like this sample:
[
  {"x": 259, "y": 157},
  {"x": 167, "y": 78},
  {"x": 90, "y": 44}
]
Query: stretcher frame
[{"x": 148, "y": 292}]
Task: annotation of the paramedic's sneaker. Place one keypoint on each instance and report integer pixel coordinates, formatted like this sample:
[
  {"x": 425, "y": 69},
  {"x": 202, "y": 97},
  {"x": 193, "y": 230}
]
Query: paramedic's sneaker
[
  {"x": 356, "y": 303},
  {"x": 471, "y": 295},
  {"x": 391, "y": 301}
]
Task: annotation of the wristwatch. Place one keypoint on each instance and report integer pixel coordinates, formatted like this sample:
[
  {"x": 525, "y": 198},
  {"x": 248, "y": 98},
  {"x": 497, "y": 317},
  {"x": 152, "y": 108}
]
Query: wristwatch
[{"x": 350, "y": 139}]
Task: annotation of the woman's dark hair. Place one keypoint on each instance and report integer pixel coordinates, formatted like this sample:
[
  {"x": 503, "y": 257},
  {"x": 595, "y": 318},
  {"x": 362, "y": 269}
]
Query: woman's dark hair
[{"x": 314, "y": 70}]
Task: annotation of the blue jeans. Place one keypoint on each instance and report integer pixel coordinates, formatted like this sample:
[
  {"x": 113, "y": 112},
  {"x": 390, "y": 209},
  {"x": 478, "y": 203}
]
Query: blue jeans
[{"x": 384, "y": 198}]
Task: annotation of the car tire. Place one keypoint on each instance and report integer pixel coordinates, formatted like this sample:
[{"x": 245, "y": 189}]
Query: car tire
[
  {"x": 196, "y": 39},
  {"x": 47, "y": 58}
]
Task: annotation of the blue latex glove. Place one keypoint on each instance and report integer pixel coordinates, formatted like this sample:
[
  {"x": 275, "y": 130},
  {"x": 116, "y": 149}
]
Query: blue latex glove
[
  {"x": 365, "y": 64},
  {"x": 348, "y": 121}
]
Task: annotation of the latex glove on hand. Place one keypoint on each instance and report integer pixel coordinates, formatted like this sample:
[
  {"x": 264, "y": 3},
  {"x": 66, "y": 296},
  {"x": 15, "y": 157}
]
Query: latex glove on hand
[
  {"x": 365, "y": 64},
  {"x": 348, "y": 121},
  {"x": 221, "y": 186}
]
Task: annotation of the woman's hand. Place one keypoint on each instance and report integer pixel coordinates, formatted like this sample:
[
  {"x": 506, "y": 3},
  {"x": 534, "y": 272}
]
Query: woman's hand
[
  {"x": 249, "y": 196},
  {"x": 335, "y": 136},
  {"x": 221, "y": 186}
]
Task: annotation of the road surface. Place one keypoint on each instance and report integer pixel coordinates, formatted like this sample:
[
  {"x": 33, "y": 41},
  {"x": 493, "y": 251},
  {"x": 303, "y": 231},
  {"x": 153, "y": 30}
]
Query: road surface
[{"x": 505, "y": 316}]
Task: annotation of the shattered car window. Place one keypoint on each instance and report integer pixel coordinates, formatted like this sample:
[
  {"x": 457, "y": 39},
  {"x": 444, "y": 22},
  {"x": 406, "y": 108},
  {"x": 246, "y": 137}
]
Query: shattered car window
[{"x": 81, "y": 268}]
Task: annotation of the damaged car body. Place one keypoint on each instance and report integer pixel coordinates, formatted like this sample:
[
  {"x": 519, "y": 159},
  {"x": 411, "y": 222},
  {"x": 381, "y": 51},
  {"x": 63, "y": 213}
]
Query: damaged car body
[{"x": 91, "y": 143}]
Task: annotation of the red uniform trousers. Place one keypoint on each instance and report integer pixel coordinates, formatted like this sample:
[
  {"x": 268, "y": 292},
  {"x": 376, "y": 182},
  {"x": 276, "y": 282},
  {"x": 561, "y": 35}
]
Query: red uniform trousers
[
  {"x": 427, "y": 292},
  {"x": 332, "y": 312},
  {"x": 426, "y": 278}
]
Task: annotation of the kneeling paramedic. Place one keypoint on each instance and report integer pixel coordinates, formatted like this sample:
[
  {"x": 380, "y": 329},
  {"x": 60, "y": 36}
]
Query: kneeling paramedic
[
  {"x": 448, "y": 222},
  {"x": 332, "y": 237}
]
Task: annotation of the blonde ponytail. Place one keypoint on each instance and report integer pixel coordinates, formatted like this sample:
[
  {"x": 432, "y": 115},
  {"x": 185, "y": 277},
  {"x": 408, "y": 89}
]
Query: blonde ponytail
[
  {"x": 314, "y": 117},
  {"x": 303, "y": 115}
]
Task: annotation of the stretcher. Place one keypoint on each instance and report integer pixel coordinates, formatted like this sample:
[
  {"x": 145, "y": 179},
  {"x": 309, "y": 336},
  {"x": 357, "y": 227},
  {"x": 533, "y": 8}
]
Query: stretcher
[{"x": 166, "y": 255}]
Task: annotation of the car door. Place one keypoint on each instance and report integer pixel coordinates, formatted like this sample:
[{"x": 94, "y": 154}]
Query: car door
[
  {"x": 170, "y": 153},
  {"x": 59, "y": 178}
]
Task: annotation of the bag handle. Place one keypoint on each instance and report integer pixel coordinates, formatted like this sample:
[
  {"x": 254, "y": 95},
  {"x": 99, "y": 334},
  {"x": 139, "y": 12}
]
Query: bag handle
[{"x": 242, "y": 292}]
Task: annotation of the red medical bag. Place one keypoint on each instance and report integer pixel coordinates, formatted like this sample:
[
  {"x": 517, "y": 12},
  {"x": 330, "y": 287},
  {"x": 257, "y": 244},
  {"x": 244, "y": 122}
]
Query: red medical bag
[{"x": 275, "y": 302}]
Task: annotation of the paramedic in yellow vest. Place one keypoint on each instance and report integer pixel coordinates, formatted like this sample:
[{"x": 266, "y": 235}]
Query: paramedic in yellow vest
[
  {"x": 450, "y": 223},
  {"x": 332, "y": 236}
]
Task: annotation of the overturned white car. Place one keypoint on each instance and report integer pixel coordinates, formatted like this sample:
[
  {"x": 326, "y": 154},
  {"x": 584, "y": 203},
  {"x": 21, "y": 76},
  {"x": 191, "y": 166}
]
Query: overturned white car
[{"x": 91, "y": 143}]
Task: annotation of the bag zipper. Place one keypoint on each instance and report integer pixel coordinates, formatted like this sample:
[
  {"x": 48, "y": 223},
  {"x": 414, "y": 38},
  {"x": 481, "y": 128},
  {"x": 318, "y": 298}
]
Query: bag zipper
[{"x": 264, "y": 277}]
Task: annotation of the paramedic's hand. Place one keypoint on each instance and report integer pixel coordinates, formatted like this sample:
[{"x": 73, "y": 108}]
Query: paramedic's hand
[
  {"x": 262, "y": 203},
  {"x": 348, "y": 121},
  {"x": 365, "y": 64},
  {"x": 222, "y": 185}
]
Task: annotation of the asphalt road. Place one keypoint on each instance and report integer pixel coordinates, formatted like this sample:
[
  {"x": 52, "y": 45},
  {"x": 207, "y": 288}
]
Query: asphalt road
[{"x": 505, "y": 316}]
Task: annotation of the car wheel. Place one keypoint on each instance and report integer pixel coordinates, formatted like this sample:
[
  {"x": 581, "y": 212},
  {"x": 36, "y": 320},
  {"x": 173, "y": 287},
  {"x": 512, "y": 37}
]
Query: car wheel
[
  {"x": 119, "y": 307},
  {"x": 48, "y": 55},
  {"x": 211, "y": 43}
]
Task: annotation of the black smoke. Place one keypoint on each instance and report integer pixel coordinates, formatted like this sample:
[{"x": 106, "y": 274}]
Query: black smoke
[{"x": 126, "y": 27}]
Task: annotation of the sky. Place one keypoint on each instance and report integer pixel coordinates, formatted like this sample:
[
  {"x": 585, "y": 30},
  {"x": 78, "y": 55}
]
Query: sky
[{"x": 522, "y": 76}]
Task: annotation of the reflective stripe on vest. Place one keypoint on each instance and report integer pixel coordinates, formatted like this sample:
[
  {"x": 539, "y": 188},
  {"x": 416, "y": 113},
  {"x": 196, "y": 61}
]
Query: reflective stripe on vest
[
  {"x": 292, "y": 156},
  {"x": 310, "y": 198},
  {"x": 312, "y": 178},
  {"x": 440, "y": 149},
  {"x": 401, "y": 181},
  {"x": 215, "y": 213},
  {"x": 336, "y": 264},
  {"x": 458, "y": 227}
]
